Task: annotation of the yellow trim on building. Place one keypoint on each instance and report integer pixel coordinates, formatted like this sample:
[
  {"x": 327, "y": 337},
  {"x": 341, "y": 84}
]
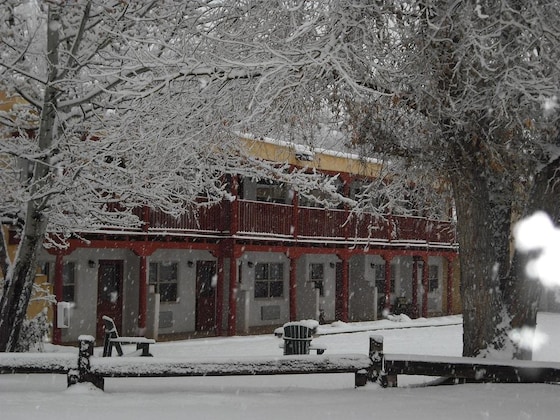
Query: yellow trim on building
[{"x": 320, "y": 159}]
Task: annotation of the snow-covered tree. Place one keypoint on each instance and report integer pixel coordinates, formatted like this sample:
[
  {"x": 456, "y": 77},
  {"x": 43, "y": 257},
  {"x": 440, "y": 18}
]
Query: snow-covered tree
[
  {"x": 468, "y": 91},
  {"x": 118, "y": 105}
]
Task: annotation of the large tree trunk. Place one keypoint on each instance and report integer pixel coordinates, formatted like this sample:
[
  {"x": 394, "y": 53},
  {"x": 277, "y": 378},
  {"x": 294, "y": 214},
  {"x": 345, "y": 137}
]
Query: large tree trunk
[
  {"x": 497, "y": 296},
  {"x": 19, "y": 281},
  {"x": 521, "y": 293},
  {"x": 482, "y": 198}
]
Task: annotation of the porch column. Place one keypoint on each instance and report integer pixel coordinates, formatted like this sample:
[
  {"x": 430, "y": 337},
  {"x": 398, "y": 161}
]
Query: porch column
[
  {"x": 387, "y": 291},
  {"x": 234, "y": 213},
  {"x": 58, "y": 293},
  {"x": 232, "y": 302},
  {"x": 295, "y": 215},
  {"x": 344, "y": 293},
  {"x": 415, "y": 286},
  {"x": 293, "y": 288},
  {"x": 425, "y": 286},
  {"x": 232, "y": 253},
  {"x": 143, "y": 296},
  {"x": 220, "y": 296},
  {"x": 449, "y": 286}
]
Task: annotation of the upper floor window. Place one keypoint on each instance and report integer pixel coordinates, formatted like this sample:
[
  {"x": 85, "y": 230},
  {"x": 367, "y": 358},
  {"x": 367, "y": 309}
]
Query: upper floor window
[
  {"x": 269, "y": 280},
  {"x": 270, "y": 191},
  {"x": 164, "y": 277}
]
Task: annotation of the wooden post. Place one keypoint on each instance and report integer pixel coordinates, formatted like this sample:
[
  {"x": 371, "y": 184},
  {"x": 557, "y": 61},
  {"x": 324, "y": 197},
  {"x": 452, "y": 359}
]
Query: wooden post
[
  {"x": 425, "y": 286},
  {"x": 293, "y": 288},
  {"x": 361, "y": 378},
  {"x": 220, "y": 296},
  {"x": 85, "y": 351},
  {"x": 387, "y": 290},
  {"x": 345, "y": 287},
  {"x": 143, "y": 296},
  {"x": 377, "y": 371},
  {"x": 232, "y": 298},
  {"x": 449, "y": 286}
]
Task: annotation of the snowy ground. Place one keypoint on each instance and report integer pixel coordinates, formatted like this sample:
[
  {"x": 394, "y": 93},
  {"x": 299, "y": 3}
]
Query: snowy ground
[{"x": 329, "y": 396}]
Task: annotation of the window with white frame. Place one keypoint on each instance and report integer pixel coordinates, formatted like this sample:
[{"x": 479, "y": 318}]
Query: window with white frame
[
  {"x": 69, "y": 282},
  {"x": 269, "y": 280},
  {"x": 433, "y": 278},
  {"x": 317, "y": 276},
  {"x": 164, "y": 277}
]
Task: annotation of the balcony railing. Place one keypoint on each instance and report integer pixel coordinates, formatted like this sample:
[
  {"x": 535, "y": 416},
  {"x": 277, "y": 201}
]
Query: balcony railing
[{"x": 270, "y": 220}]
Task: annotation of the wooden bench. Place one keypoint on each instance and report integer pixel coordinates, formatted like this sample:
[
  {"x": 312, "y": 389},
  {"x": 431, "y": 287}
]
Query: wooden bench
[
  {"x": 297, "y": 338},
  {"x": 112, "y": 340}
]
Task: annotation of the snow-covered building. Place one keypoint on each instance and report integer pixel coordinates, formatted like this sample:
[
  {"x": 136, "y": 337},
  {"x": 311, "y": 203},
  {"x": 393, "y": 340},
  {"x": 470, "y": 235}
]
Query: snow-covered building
[{"x": 256, "y": 262}]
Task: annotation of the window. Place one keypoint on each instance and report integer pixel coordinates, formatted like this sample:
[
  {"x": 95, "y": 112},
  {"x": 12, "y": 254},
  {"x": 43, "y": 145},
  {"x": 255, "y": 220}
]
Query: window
[
  {"x": 272, "y": 192},
  {"x": 380, "y": 277},
  {"x": 433, "y": 278},
  {"x": 68, "y": 282},
  {"x": 316, "y": 274},
  {"x": 163, "y": 276},
  {"x": 269, "y": 280}
]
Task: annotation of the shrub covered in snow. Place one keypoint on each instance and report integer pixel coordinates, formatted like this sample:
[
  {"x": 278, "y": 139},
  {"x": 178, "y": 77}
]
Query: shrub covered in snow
[{"x": 33, "y": 333}]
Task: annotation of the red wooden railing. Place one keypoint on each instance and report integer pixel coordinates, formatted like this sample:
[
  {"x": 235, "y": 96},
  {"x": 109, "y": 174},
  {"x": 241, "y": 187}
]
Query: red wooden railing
[
  {"x": 206, "y": 219},
  {"x": 270, "y": 219},
  {"x": 316, "y": 222}
]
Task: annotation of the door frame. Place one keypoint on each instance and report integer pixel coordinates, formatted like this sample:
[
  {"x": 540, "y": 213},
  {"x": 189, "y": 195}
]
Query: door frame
[
  {"x": 206, "y": 325},
  {"x": 117, "y": 315}
]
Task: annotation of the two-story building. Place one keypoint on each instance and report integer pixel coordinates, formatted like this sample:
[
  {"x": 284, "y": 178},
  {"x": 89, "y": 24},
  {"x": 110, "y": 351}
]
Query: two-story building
[
  {"x": 256, "y": 262},
  {"x": 267, "y": 257}
]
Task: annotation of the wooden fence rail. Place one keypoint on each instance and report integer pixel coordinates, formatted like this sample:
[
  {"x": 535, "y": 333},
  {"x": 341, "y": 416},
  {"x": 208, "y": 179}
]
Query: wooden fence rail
[
  {"x": 386, "y": 368},
  {"x": 374, "y": 367},
  {"x": 94, "y": 370}
]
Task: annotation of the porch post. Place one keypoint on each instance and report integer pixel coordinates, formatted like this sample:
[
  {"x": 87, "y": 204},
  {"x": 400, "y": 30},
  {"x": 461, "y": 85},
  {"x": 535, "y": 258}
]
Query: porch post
[
  {"x": 387, "y": 304},
  {"x": 345, "y": 288},
  {"x": 449, "y": 286},
  {"x": 220, "y": 296},
  {"x": 233, "y": 228},
  {"x": 295, "y": 215},
  {"x": 58, "y": 293},
  {"x": 232, "y": 302},
  {"x": 143, "y": 296},
  {"x": 293, "y": 288},
  {"x": 415, "y": 287},
  {"x": 425, "y": 286}
]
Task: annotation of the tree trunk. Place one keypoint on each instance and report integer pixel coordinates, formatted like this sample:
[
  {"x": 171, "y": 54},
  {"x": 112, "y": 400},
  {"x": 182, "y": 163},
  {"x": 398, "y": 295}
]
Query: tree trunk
[
  {"x": 482, "y": 198},
  {"x": 19, "y": 281},
  {"x": 521, "y": 294}
]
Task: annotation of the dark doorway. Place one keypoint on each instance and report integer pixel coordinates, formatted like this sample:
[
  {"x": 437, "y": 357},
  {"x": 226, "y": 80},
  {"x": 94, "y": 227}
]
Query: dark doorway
[
  {"x": 109, "y": 293},
  {"x": 206, "y": 278}
]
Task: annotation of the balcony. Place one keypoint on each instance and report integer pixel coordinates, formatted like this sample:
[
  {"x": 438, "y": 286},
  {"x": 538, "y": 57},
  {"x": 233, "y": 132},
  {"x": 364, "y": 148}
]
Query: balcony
[{"x": 261, "y": 220}]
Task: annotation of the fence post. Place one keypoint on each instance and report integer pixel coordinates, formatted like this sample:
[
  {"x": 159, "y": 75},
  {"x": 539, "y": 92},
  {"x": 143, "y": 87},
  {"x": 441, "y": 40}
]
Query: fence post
[
  {"x": 83, "y": 373},
  {"x": 377, "y": 371}
]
